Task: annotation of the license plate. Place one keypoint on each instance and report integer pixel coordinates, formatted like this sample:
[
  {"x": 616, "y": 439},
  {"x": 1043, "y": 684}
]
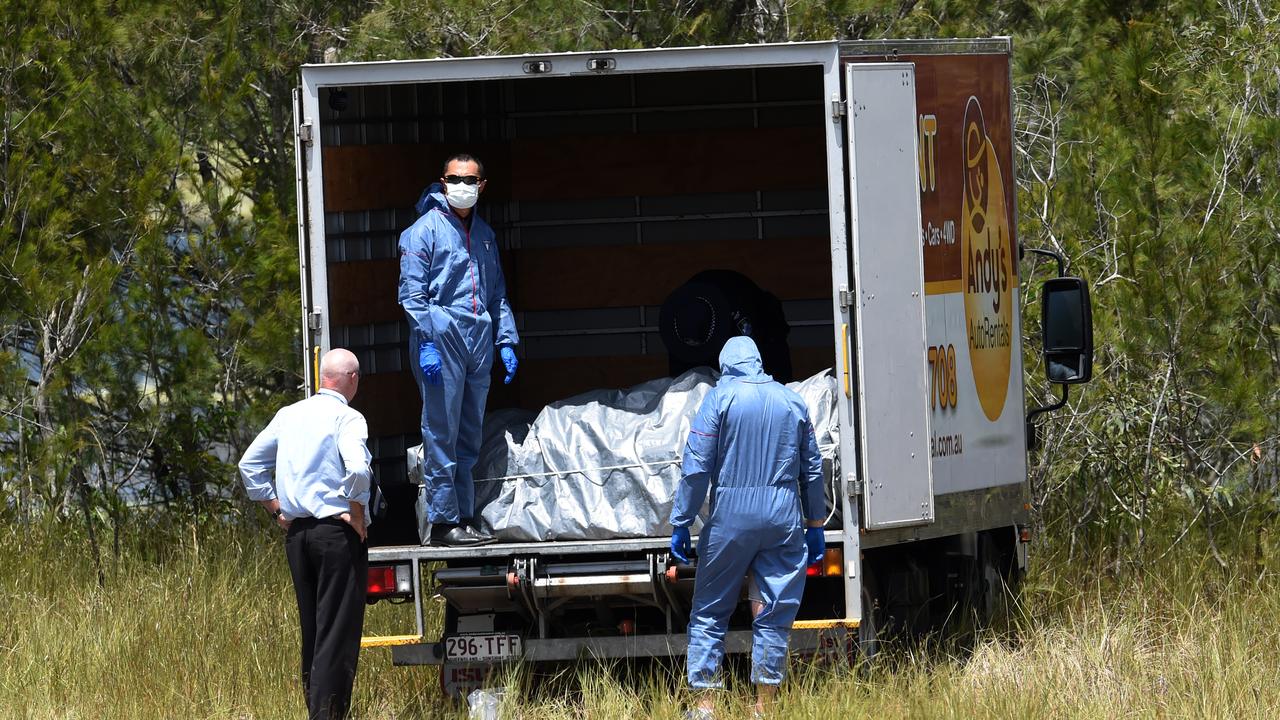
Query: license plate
[{"x": 482, "y": 647}]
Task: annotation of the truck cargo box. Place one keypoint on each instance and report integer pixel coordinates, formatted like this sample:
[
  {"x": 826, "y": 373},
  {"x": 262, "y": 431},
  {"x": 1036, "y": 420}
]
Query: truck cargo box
[{"x": 868, "y": 185}]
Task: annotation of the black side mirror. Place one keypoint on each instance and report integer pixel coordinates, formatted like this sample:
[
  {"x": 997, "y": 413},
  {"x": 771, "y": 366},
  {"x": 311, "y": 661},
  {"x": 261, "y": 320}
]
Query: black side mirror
[{"x": 1067, "y": 323}]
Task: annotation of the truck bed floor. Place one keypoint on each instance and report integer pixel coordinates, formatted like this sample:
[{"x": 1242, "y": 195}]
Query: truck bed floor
[{"x": 428, "y": 553}]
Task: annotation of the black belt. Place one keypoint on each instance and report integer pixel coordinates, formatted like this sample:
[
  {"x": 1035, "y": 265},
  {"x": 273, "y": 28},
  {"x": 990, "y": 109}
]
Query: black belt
[{"x": 307, "y": 522}]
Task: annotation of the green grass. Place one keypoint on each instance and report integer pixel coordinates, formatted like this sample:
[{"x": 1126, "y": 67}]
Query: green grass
[{"x": 202, "y": 624}]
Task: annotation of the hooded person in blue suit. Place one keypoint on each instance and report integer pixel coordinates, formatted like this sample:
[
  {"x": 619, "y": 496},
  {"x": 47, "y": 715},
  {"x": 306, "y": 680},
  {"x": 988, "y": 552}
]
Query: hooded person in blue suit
[
  {"x": 753, "y": 446},
  {"x": 454, "y": 294}
]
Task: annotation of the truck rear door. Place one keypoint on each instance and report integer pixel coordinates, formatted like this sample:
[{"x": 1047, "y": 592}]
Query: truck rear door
[
  {"x": 887, "y": 299},
  {"x": 302, "y": 137}
]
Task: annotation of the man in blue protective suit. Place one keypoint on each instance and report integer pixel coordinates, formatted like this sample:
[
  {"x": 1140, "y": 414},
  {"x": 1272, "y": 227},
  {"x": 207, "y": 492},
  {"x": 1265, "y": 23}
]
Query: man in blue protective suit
[
  {"x": 753, "y": 445},
  {"x": 454, "y": 294}
]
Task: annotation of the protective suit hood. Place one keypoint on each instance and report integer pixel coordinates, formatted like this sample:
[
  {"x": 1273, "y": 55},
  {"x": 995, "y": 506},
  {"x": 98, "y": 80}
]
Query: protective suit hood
[
  {"x": 432, "y": 197},
  {"x": 740, "y": 358}
]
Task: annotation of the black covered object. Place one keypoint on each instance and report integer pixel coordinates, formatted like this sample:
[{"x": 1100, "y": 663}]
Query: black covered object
[{"x": 698, "y": 317}]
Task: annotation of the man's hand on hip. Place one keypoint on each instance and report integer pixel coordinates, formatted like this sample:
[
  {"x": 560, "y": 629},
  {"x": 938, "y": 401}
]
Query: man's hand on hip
[
  {"x": 273, "y": 506},
  {"x": 355, "y": 519}
]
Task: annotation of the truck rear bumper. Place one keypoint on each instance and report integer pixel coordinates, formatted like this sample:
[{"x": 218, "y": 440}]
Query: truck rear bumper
[
  {"x": 506, "y": 550},
  {"x": 605, "y": 648}
]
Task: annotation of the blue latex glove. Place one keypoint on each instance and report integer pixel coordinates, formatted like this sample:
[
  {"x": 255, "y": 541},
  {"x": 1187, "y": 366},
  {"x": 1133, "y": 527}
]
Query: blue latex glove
[
  {"x": 429, "y": 361},
  {"x": 817, "y": 544},
  {"x": 509, "y": 360},
  {"x": 680, "y": 544}
]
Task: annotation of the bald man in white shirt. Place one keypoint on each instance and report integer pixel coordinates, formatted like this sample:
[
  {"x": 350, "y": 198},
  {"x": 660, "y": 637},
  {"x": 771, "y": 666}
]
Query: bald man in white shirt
[{"x": 310, "y": 469}]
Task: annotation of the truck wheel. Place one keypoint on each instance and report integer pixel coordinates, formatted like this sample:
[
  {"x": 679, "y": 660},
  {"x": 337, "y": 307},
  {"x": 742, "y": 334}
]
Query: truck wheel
[
  {"x": 1005, "y": 577},
  {"x": 995, "y": 583},
  {"x": 988, "y": 581}
]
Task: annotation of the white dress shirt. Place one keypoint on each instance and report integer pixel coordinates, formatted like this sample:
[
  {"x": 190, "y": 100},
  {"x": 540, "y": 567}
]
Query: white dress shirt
[{"x": 318, "y": 451}]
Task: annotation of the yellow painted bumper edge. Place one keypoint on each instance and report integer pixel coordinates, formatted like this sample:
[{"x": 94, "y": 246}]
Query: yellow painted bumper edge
[
  {"x": 824, "y": 624},
  {"x": 389, "y": 640}
]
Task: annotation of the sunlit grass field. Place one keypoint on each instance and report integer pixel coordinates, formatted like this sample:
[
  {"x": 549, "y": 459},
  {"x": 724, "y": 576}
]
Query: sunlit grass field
[{"x": 202, "y": 625}]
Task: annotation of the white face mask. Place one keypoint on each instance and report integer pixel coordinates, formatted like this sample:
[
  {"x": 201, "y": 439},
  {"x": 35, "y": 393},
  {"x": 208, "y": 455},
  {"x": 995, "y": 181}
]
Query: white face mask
[{"x": 461, "y": 195}]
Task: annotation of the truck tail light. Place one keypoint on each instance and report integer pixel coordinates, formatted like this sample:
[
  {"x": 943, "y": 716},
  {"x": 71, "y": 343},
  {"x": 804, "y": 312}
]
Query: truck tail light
[
  {"x": 389, "y": 581},
  {"x": 832, "y": 564},
  {"x": 1024, "y": 534}
]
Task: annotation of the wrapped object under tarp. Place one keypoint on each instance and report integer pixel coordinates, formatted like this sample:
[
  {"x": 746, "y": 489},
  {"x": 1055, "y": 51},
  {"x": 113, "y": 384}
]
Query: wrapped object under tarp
[{"x": 603, "y": 464}]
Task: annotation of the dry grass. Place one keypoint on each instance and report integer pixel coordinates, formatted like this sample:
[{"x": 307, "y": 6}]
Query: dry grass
[{"x": 202, "y": 626}]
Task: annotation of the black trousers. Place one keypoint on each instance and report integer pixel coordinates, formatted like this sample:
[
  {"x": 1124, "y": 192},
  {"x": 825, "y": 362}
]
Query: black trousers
[{"x": 329, "y": 565}]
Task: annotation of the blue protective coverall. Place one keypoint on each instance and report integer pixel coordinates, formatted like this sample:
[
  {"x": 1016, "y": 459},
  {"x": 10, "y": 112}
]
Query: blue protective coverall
[
  {"x": 454, "y": 294},
  {"x": 752, "y": 444}
]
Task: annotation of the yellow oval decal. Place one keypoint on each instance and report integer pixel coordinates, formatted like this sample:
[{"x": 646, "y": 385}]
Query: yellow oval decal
[{"x": 987, "y": 267}]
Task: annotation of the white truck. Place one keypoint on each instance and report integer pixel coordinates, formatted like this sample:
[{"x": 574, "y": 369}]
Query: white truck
[{"x": 867, "y": 184}]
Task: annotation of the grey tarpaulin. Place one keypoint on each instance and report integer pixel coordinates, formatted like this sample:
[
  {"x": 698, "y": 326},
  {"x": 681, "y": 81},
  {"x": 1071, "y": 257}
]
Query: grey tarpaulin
[{"x": 603, "y": 464}]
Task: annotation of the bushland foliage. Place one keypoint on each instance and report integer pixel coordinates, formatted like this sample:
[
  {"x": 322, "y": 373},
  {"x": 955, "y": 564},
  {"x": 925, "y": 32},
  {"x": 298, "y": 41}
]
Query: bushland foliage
[
  {"x": 148, "y": 320},
  {"x": 193, "y": 621}
]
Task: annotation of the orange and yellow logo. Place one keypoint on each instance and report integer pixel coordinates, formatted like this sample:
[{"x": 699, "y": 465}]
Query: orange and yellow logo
[{"x": 987, "y": 267}]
